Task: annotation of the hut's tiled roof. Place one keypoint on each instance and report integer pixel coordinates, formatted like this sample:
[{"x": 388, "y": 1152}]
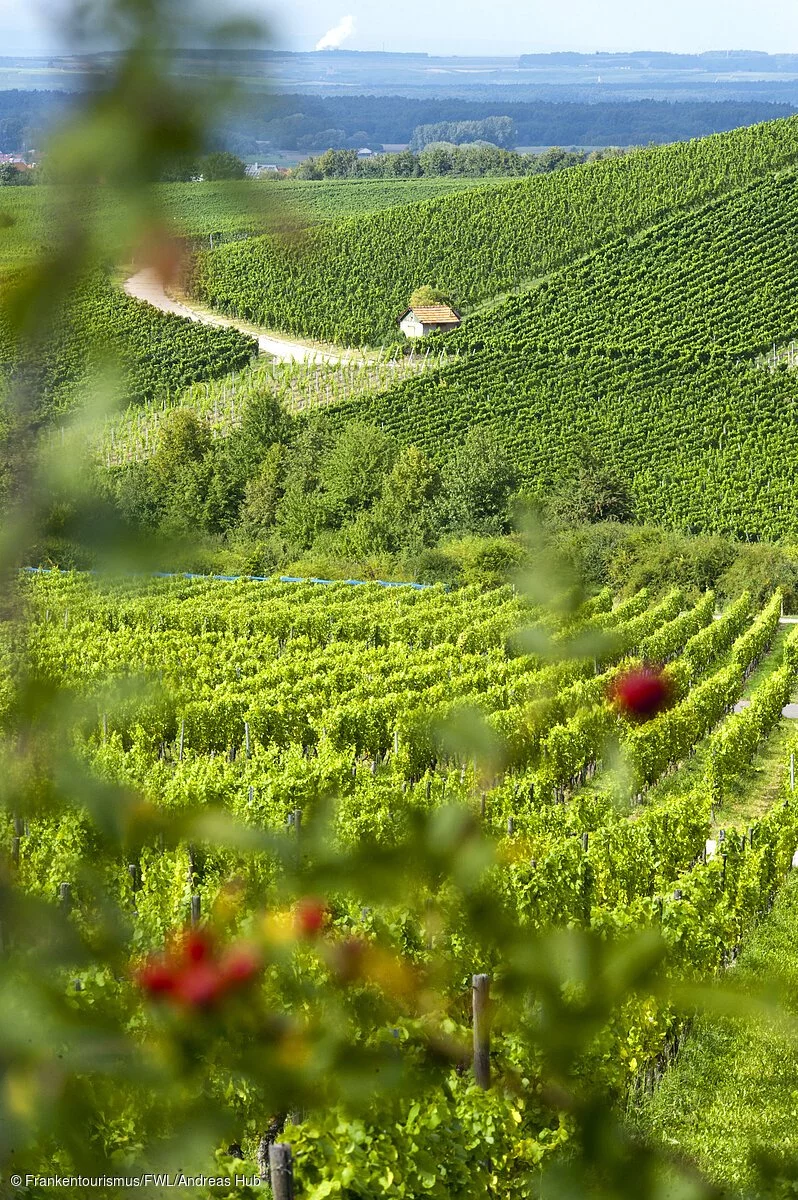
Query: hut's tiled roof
[{"x": 435, "y": 314}]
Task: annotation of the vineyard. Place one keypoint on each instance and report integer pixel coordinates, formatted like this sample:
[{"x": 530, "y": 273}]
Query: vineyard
[
  {"x": 390, "y": 890},
  {"x": 149, "y": 353},
  {"x": 160, "y": 355},
  {"x": 132, "y": 435},
  {"x": 211, "y": 208},
  {"x": 704, "y": 442},
  {"x": 346, "y": 282},
  {"x": 226, "y": 210},
  {"x": 721, "y": 278},
  {"x": 650, "y": 351},
  {"x": 649, "y": 348},
  {"x": 328, "y": 718}
]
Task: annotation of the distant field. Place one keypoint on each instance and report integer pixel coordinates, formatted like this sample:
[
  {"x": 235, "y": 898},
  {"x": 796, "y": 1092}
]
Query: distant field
[{"x": 201, "y": 209}]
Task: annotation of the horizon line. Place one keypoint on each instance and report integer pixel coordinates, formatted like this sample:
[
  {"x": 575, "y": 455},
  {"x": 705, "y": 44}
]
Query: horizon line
[{"x": 62, "y": 53}]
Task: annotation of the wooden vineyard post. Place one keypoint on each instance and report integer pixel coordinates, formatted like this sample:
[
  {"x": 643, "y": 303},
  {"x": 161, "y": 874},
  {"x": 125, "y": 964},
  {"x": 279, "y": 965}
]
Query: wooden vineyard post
[
  {"x": 792, "y": 772},
  {"x": 246, "y": 739},
  {"x": 64, "y": 897},
  {"x": 481, "y": 1021},
  {"x": 281, "y": 1171},
  {"x": 262, "y": 1156},
  {"x": 134, "y": 873},
  {"x": 295, "y": 824},
  {"x": 182, "y": 736},
  {"x": 195, "y": 909},
  {"x": 587, "y": 878}
]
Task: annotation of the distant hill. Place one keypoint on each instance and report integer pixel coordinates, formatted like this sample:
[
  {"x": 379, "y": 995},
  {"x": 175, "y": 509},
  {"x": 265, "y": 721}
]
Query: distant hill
[
  {"x": 744, "y": 76},
  {"x": 660, "y": 60}
]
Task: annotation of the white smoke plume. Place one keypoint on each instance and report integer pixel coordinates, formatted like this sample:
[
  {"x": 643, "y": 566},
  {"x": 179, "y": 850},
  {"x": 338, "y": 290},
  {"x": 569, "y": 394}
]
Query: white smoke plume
[{"x": 334, "y": 37}]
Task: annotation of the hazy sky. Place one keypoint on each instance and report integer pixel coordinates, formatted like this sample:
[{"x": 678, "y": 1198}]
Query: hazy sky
[
  {"x": 518, "y": 26},
  {"x": 495, "y": 27}
]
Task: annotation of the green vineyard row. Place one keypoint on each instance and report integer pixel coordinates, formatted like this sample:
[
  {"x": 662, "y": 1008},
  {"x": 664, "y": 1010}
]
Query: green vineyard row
[{"x": 585, "y": 862}]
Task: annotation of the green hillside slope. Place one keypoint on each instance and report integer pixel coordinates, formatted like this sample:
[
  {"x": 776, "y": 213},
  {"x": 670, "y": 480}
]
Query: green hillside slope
[
  {"x": 724, "y": 277},
  {"x": 645, "y": 351},
  {"x": 101, "y": 330},
  {"x": 230, "y": 208},
  {"x": 704, "y": 445},
  {"x": 347, "y": 282}
]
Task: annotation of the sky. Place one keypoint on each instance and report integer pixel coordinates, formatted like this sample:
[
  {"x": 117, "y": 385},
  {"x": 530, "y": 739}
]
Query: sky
[
  {"x": 526, "y": 26},
  {"x": 477, "y": 27}
]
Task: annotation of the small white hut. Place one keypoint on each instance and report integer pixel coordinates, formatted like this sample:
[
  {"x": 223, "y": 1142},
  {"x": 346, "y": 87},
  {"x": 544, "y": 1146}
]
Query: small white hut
[{"x": 418, "y": 322}]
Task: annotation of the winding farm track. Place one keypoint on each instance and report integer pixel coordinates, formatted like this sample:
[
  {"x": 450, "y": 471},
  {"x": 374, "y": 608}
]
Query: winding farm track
[{"x": 147, "y": 286}]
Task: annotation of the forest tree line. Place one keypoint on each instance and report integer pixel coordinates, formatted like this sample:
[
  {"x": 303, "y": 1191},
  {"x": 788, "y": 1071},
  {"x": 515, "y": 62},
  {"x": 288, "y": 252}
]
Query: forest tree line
[{"x": 313, "y": 123}]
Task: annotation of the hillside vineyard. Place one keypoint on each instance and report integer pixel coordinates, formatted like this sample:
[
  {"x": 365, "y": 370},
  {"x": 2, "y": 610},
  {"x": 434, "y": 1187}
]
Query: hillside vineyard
[
  {"x": 706, "y": 444},
  {"x": 298, "y": 691},
  {"x": 153, "y": 353},
  {"x": 347, "y": 283},
  {"x": 222, "y": 210},
  {"x": 661, "y": 279},
  {"x": 646, "y": 348},
  {"x": 159, "y": 354}
]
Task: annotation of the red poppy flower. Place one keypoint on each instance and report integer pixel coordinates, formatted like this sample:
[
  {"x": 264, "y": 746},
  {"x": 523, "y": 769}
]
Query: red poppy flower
[
  {"x": 239, "y": 965},
  {"x": 199, "y": 984},
  {"x": 156, "y": 978},
  {"x": 191, "y": 974},
  {"x": 641, "y": 693},
  {"x": 311, "y": 913}
]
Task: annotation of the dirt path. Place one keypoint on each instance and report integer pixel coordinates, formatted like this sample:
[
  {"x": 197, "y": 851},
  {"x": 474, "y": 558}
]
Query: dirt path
[{"x": 146, "y": 285}]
